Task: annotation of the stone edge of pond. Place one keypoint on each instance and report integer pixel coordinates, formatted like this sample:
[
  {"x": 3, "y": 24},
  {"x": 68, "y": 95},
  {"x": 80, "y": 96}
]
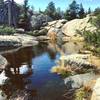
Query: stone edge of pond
[{"x": 3, "y": 63}]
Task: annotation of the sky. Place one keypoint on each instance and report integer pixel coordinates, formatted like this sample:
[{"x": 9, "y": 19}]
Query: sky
[{"x": 63, "y": 4}]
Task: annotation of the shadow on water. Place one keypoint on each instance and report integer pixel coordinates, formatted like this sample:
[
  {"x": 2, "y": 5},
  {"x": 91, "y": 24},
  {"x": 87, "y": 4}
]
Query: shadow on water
[{"x": 29, "y": 73}]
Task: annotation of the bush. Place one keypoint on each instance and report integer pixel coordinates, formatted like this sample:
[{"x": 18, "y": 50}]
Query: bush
[
  {"x": 97, "y": 11},
  {"x": 92, "y": 38},
  {"x": 7, "y": 30}
]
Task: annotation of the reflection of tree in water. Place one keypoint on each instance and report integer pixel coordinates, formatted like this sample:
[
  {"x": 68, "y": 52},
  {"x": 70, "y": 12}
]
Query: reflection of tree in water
[
  {"x": 49, "y": 48},
  {"x": 18, "y": 83},
  {"x": 52, "y": 51}
]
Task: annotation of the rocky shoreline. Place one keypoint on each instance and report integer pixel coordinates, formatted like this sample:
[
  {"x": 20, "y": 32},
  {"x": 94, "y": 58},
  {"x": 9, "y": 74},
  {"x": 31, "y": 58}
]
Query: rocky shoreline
[
  {"x": 17, "y": 40},
  {"x": 62, "y": 31}
]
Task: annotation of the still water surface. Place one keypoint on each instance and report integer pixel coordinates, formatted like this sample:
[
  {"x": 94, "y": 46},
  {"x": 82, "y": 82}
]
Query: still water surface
[{"x": 29, "y": 72}]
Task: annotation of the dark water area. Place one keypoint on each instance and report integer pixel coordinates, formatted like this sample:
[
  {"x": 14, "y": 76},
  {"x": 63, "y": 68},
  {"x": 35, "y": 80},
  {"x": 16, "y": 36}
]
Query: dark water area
[{"x": 29, "y": 72}]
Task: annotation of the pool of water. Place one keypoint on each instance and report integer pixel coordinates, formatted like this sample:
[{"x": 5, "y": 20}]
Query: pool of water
[{"x": 29, "y": 72}]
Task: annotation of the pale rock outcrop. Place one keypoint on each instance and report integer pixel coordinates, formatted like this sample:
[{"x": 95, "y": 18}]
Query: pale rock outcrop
[
  {"x": 3, "y": 63},
  {"x": 17, "y": 40},
  {"x": 57, "y": 23},
  {"x": 55, "y": 34},
  {"x": 26, "y": 40},
  {"x": 7, "y": 40},
  {"x": 52, "y": 23},
  {"x": 96, "y": 91},
  {"x": 79, "y": 60},
  {"x": 78, "y": 81},
  {"x": 71, "y": 27},
  {"x": 3, "y": 78}
]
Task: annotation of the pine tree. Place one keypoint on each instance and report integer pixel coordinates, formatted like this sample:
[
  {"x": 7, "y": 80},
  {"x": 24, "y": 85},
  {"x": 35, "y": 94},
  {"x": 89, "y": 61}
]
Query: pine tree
[
  {"x": 67, "y": 15},
  {"x": 81, "y": 11},
  {"x": 24, "y": 21},
  {"x": 89, "y": 11},
  {"x": 58, "y": 13},
  {"x": 1, "y": 1},
  {"x": 72, "y": 12},
  {"x": 74, "y": 7},
  {"x": 51, "y": 10}
]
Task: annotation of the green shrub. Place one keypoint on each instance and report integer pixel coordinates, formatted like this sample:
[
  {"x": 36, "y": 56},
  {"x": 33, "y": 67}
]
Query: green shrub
[
  {"x": 7, "y": 30},
  {"x": 80, "y": 94},
  {"x": 97, "y": 21},
  {"x": 92, "y": 38}
]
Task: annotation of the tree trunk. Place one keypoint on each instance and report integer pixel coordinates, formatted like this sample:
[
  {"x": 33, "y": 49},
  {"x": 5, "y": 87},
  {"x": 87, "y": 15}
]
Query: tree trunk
[
  {"x": 13, "y": 14},
  {"x": 9, "y": 13}
]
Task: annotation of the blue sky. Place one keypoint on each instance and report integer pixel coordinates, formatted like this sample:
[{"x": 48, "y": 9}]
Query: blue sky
[{"x": 61, "y": 3}]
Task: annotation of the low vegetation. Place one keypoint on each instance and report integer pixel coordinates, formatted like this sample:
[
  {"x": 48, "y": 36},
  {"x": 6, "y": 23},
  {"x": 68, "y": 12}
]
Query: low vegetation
[
  {"x": 93, "y": 38},
  {"x": 82, "y": 94},
  {"x": 5, "y": 30}
]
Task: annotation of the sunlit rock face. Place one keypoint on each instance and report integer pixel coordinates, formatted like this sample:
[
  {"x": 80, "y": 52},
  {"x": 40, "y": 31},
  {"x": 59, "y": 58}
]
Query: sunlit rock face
[
  {"x": 17, "y": 40},
  {"x": 96, "y": 91},
  {"x": 3, "y": 63},
  {"x": 77, "y": 81},
  {"x": 71, "y": 47},
  {"x": 71, "y": 27},
  {"x": 3, "y": 78}
]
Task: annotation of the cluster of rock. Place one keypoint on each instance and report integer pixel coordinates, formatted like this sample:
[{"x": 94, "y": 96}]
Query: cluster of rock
[
  {"x": 77, "y": 81},
  {"x": 74, "y": 63},
  {"x": 90, "y": 80},
  {"x": 79, "y": 60},
  {"x": 39, "y": 20},
  {"x": 67, "y": 30}
]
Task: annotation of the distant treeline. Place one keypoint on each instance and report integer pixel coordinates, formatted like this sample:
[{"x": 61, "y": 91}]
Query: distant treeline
[{"x": 25, "y": 12}]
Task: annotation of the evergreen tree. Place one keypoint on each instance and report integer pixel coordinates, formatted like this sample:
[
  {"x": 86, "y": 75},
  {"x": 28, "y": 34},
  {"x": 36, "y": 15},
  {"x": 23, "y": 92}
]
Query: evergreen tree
[
  {"x": 67, "y": 15},
  {"x": 24, "y": 21},
  {"x": 89, "y": 11},
  {"x": 97, "y": 11},
  {"x": 81, "y": 11},
  {"x": 1, "y": 1},
  {"x": 51, "y": 10},
  {"x": 73, "y": 10},
  {"x": 58, "y": 13}
]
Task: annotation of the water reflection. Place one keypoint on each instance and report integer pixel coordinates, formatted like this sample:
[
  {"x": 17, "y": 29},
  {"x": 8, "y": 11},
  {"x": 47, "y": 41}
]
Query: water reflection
[
  {"x": 72, "y": 47},
  {"x": 20, "y": 68},
  {"x": 29, "y": 72}
]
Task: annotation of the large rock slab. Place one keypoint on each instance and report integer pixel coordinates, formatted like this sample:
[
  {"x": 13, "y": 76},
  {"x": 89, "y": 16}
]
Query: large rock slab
[
  {"x": 17, "y": 40},
  {"x": 71, "y": 27},
  {"x": 26, "y": 40},
  {"x": 7, "y": 41},
  {"x": 76, "y": 60},
  {"x": 79, "y": 80}
]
